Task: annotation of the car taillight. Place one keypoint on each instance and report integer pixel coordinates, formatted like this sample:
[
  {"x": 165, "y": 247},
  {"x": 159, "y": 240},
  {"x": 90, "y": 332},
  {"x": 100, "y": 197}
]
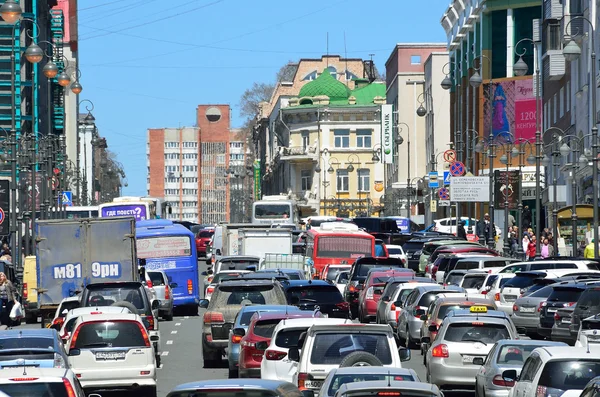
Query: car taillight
[
  {"x": 404, "y": 260},
  {"x": 23, "y": 379},
  {"x": 352, "y": 288},
  {"x": 515, "y": 308},
  {"x": 190, "y": 286},
  {"x": 213, "y": 317},
  {"x": 484, "y": 292},
  {"x": 210, "y": 290},
  {"x": 369, "y": 294},
  {"x": 343, "y": 306},
  {"x": 499, "y": 381},
  {"x": 149, "y": 322},
  {"x": 59, "y": 361},
  {"x": 541, "y": 305},
  {"x": 434, "y": 270},
  {"x": 440, "y": 351},
  {"x": 149, "y": 284},
  {"x": 302, "y": 377},
  {"x": 236, "y": 338},
  {"x": 556, "y": 317},
  {"x": 569, "y": 304},
  {"x": 393, "y": 307},
  {"x": 69, "y": 388},
  {"x": 388, "y": 393},
  {"x": 145, "y": 334},
  {"x": 167, "y": 292},
  {"x": 209, "y": 279},
  {"x": 58, "y": 321},
  {"x": 74, "y": 337},
  {"x": 275, "y": 355},
  {"x": 497, "y": 296},
  {"x": 25, "y": 291},
  {"x": 541, "y": 391}
]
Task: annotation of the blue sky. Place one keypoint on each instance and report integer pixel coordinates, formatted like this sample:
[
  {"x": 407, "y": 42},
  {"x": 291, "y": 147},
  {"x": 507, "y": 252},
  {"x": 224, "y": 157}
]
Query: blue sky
[{"x": 149, "y": 63}]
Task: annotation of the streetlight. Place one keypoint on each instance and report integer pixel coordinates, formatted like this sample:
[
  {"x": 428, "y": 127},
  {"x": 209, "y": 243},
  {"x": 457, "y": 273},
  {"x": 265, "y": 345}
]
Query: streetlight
[
  {"x": 331, "y": 170},
  {"x": 490, "y": 152},
  {"x": 530, "y": 159},
  {"x": 350, "y": 169},
  {"x": 88, "y": 121},
  {"x": 571, "y": 53},
  {"x": 506, "y": 159}
]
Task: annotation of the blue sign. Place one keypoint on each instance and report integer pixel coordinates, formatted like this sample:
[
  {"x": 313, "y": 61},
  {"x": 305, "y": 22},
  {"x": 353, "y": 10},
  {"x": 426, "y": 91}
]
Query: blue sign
[
  {"x": 138, "y": 211},
  {"x": 444, "y": 194},
  {"x": 71, "y": 271},
  {"x": 446, "y": 178},
  {"x": 457, "y": 168},
  {"x": 433, "y": 180},
  {"x": 67, "y": 198}
]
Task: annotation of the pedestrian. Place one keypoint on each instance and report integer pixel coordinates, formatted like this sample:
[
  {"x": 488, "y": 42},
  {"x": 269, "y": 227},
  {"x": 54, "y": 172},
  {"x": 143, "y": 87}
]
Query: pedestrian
[
  {"x": 545, "y": 249},
  {"x": 525, "y": 243},
  {"x": 460, "y": 230},
  {"x": 514, "y": 239},
  {"x": 588, "y": 253},
  {"x": 526, "y": 216},
  {"x": 8, "y": 294},
  {"x": 511, "y": 220},
  {"x": 489, "y": 231},
  {"x": 531, "y": 249}
]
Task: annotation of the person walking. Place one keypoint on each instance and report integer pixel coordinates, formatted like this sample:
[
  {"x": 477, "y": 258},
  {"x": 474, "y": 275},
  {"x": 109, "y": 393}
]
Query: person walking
[
  {"x": 525, "y": 243},
  {"x": 588, "y": 253},
  {"x": 526, "y": 217},
  {"x": 545, "y": 249},
  {"x": 460, "y": 230},
  {"x": 8, "y": 295},
  {"x": 531, "y": 250}
]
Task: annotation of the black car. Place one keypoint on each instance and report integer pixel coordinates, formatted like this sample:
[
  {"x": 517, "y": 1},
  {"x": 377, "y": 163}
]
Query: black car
[
  {"x": 588, "y": 305},
  {"x": 312, "y": 294},
  {"x": 358, "y": 274}
]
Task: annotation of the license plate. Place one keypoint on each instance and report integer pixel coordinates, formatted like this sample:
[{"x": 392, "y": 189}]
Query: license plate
[
  {"x": 510, "y": 298},
  {"x": 527, "y": 309},
  {"x": 313, "y": 384},
  {"x": 552, "y": 310},
  {"x": 468, "y": 359},
  {"x": 110, "y": 355},
  {"x": 20, "y": 366},
  {"x": 566, "y": 321}
]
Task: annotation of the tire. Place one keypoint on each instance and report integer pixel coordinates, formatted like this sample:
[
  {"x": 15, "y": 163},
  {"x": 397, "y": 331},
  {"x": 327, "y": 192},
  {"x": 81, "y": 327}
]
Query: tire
[
  {"x": 210, "y": 357},
  {"x": 409, "y": 344},
  {"x": 146, "y": 392},
  {"x": 360, "y": 359},
  {"x": 158, "y": 360},
  {"x": 233, "y": 373}
]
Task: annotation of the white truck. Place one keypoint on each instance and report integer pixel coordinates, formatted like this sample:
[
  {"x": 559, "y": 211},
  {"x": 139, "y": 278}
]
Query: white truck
[
  {"x": 287, "y": 261},
  {"x": 225, "y": 240},
  {"x": 259, "y": 242}
]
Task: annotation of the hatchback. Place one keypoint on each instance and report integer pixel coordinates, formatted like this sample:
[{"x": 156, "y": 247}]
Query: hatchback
[
  {"x": 372, "y": 291},
  {"x": 40, "y": 348},
  {"x": 338, "y": 377},
  {"x": 65, "y": 305},
  {"x": 163, "y": 289},
  {"x": 389, "y": 388},
  {"x": 55, "y": 382}
]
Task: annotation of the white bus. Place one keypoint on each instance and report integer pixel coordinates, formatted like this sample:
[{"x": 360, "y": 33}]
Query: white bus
[
  {"x": 275, "y": 209},
  {"x": 84, "y": 211},
  {"x": 141, "y": 208}
]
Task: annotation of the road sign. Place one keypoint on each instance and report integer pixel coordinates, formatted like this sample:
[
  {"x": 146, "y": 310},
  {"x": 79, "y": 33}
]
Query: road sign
[
  {"x": 446, "y": 178},
  {"x": 444, "y": 203},
  {"x": 457, "y": 168},
  {"x": 433, "y": 180},
  {"x": 2, "y": 217},
  {"x": 470, "y": 189},
  {"x": 450, "y": 156},
  {"x": 67, "y": 198},
  {"x": 433, "y": 205},
  {"x": 444, "y": 193}
]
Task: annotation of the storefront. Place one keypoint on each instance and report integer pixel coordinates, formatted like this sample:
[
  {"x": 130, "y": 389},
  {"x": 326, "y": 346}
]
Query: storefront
[{"x": 585, "y": 221}]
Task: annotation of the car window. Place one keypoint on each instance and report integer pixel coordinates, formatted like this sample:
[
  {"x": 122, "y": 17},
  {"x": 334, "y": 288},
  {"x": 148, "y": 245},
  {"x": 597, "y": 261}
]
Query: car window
[
  {"x": 472, "y": 332},
  {"x": 490, "y": 280},
  {"x": 569, "y": 373},
  {"x": 27, "y": 389},
  {"x": 589, "y": 300},
  {"x": 445, "y": 309},
  {"x": 343, "y": 278},
  {"x": 287, "y": 338},
  {"x": 108, "y": 295},
  {"x": 565, "y": 295},
  {"x": 593, "y": 266},
  {"x": 70, "y": 324},
  {"x": 542, "y": 292},
  {"x": 514, "y": 354},
  {"x": 331, "y": 348},
  {"x": 265, "y": 328},
  {"x": 403, "y": 294},
  {"x": 473, "y": 281},
  {"x": 394, "y": 251},
  {"x": 332, "y": 272},
  {"x": 338, "y": 381},
  {"x": 520, "y": 282},
  {"x": 529, "y": 369},
  {"x": 236, "y": 264},
  {"x": 466, "y": 265},
  {"x": 563, "y": 266},
  {"x": 487, "y": 264},
  {"x": 317, "y": 294},
  {"x": 205, "y": 234},
  {"x": 426, "y": 299},
  {"x": 236, "y": 294},
  {"x": 22, "y": 343},
  {"x": 69, "y": 305},
  {"x": 110, "y": 334},
  {"x": 156, "y": 278},
  {"x": 412, "y": 247},
  {"x": 454, "y": 278},
  {"x": 225, "y": 276},
  {"x": 514, "y": 269},
  {"x": 247, "y": 316}
]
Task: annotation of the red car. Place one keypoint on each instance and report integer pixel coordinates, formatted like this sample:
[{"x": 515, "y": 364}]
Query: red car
[
  {"x": 370, "y": 294},
  {"x": 260, "y": 330},
  {"x": 202, "y": 240}
]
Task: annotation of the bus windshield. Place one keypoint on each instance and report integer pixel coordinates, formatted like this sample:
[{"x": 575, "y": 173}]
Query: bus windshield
[
  {"x": 344, "y": 247},
  {"x": 163, "y": 247},
  {"x": 272, "y": 211}
]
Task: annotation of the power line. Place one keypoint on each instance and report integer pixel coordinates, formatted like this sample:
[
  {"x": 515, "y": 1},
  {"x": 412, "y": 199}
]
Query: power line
[
  {"x": 114, "y": 11},
  {"x": 237, "y": 67},
  {"x": 137, "y": 94},
  {"x": 99, "y": 5}
]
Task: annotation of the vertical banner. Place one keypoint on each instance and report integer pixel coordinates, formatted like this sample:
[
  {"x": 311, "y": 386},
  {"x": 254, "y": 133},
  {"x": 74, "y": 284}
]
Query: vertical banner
[
  {"x": 506, "y": 187},
  {"x": 33, "y": 190},
  {"x": 257, "y": 193},
  {"x": 4, "y": 207},
  {"x": 387, "y": 139}
]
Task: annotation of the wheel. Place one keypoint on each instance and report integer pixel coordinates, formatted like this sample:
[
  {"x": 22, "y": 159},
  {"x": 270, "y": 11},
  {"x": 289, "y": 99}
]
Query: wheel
[
  {"x": 233, "y": 373},
  {"x": 360, "y": 359},
  {"x": 211, "y": 358},
  {"x": 409, "y": 344},
  {"x": 146, "y": 392},
  {"x": 192, "y": 310}
]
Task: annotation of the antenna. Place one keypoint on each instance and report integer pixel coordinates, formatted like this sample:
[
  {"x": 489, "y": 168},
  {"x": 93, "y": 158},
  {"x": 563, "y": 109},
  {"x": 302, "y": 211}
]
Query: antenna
[{"x": 371, "y": 77}]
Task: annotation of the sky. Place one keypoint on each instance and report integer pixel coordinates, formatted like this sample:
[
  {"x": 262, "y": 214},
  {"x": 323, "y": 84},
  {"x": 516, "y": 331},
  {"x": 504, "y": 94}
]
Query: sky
[{"x": 150, "y": 63}]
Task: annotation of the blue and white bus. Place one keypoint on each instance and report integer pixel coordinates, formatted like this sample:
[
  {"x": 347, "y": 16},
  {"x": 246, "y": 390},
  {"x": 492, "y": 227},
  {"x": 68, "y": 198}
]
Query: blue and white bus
[{"x": 171, "y": 248}]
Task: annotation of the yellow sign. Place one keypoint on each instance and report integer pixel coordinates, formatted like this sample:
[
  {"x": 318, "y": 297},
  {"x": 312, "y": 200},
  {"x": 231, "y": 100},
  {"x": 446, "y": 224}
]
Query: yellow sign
[
  {"x": 433, "y": 205},
  {"x": 378, "y": 186},
  {"x": 478, "y": 309}
]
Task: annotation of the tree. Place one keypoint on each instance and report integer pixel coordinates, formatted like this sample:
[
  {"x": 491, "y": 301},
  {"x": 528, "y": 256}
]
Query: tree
[{"x": 250, "y": 99}]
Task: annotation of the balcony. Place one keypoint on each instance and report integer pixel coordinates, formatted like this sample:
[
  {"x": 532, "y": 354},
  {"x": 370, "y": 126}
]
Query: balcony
[
  {"x": 307, "y": 200},
  {"x": 553, "y": 9},
  {"x": 554, "y": 64},
  {"x": 298, "y": 154}
]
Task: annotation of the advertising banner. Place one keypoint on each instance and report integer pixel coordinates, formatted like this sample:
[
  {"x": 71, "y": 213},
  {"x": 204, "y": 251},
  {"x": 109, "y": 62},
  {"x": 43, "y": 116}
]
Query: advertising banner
[
  {"x": 138, "y": 211},
  {"x": 33, "y": 190},
  {"x": 387, "y": 134},
  {"x": 509, "y": 108},
  {"x": 163, "y": 247},
  {"x": 257, "y": 193},
  {"x": 506, "y": 187},
  {"x": 4, "y": 207}
]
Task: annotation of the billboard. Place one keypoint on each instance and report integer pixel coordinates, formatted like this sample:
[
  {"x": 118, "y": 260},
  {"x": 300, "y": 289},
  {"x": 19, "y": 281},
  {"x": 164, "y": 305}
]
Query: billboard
[
  {"x": 509, "y": 109},
  {"x": 506, "y": 188},
  {"x": 387, "y": 132}
]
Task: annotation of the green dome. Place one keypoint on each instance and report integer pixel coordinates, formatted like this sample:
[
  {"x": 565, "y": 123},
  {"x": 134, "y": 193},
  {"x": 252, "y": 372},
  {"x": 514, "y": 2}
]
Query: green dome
[{"x": 327, "y": 85}]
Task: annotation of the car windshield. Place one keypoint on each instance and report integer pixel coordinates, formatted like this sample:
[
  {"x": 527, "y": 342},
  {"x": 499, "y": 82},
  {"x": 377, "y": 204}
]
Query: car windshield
[
  {"x": 315, "y": 293},
  {"x": 66, "y": 306},
  {"x": 473, "y": 281},
  {"x": 445, "y": 309},
  {"x": 331, "y": 348},
  {"x": 490, "y": 280},
  {"x": 332, "y": 272},
  {"x": 26, "y": 343},
  {"x": 412, "y": 247},
  {"x": 520, "y": 281},
  {"x": 205, "y": 234},
  {"x": 287, "y": 338},
  {"x": 363, "y": 269},
  {"x": 107, "y": 296},
  {"x": 224, "y": 276},
  {"x": 476, "y": 332},
  {"x": 543, "y": 292},
  {"x": 514, "y": 354},
  {"x": 565, "y": 295},
  {"x": 454, "y": 278},
  {"x": 338, "y": 380},
  {"x": 344, "y": 247},
  {"x": 239, "y": 294},
  {"x": 589, "y": 300},
  {"x": 569, "y": 374},
  {"x": 237, "y": 264},
  {"x": 28, "y": 389},
  {"x": 156, "y": 278},
  {"x": 265, "y": 328},
  {"x": 110, "y": 334},
  {"x": 429, "y": 297},
  {"x": 394, "y": 251}
]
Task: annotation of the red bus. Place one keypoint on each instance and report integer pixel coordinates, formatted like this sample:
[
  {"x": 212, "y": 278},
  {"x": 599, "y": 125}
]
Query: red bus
[{"x": 337, "y": 243}]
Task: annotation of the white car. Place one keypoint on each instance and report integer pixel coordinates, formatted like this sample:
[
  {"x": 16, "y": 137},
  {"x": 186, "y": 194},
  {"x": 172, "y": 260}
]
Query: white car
[
  {"x": 396, "y": 251},
  {"x": 589, "y": 332},
  {"x": 326, "y": 347},
  {"x": 338, "y": 377},
  {"x": 113, "y": 352},
  {"x": 276, "y": 365},
  {"x": 20, "y": 382},
  {"x": 393, "y": 310},
  {"x": 74, "y": 314},
  {"x": 554, "y": 371},
  {"x": 448, "y": 225},
  {"x": 63, "y": 307},
  {"x": 340, "y": 281}
]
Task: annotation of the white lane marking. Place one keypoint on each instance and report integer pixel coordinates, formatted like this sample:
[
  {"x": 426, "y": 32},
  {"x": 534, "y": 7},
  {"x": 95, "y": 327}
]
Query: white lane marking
[
  {"x": 173, "y": 332},
  {"x": 186, "y": 317},
  {"x": 169, "y": 342},
  {"x": 164, "y": 354},
  {"x": 177, "y": 324}
]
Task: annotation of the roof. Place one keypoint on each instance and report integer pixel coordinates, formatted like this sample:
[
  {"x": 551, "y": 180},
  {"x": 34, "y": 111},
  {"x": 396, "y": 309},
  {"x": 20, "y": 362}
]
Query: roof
[
  {"x": 27, "y": 333},
  {"x": 528, "y": 342},
  {"x": 99, "y": 309},
  {"x": 108, "y": 317},
  {"x": 238, "y": 258},
  {"x": 310, "y": 321},
  {"x": 307, "y": 283},
  {"x": 280, "y": 315},
  {"x": 466, "y": 315},
  {"x": 365, "y": 95},
  {"x": 388, "y": 385},
  {"x": 456, "y": 298},
  {"x": 558, "y": 352},
  {"x": 326, "y": 85},
  {"x": 268, "y": 308},
  {"x": 245, "y": 282},
  {"x": 229, "y": 383}
]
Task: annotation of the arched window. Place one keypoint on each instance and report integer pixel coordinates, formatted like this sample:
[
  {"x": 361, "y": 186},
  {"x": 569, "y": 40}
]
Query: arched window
[
  {"x": 350, "y": 75},
  {"x": 332, "y": 71},
  {"x": 311, "y": 76}
]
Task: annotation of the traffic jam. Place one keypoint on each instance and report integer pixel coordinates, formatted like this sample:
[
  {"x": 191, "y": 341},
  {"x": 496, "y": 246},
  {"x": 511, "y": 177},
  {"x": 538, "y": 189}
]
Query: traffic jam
[{"x": 340, "y": 307}]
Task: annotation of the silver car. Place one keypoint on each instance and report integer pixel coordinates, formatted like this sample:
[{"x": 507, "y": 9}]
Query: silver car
[
  {"x": 464, "y": 340},
  {"x": 526, "y": 311},
  {"x": 417, "y": 302},
  {"x": 340, "y": 376},
  {"x": 505, "y": 354},
  {"x": 163, "y": 290},
  {"x": 392, "y": 388}
]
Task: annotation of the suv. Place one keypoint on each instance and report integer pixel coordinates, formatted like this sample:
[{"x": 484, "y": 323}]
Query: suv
[
  {"x": 553, "y": 371},
  {"x": 325, "y": 347},
  {"x": 229, "y": 297},
  {"x": 430, "y": 247},
  {"x": 588, "y": 305},
  {"x": 56, "y": 382},
  {"x": 313, "y": 294},
  {"x": 159, "y": 282}
]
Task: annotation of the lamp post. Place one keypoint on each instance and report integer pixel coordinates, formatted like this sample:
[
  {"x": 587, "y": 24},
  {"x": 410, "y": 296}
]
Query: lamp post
[
  {"x": 88, "y": 121},
  {"x": 323, "y": 157},
  {"x": 520, "y": 154},
  {"x": 572, "y": 52},
  {"x": 506, "y": 159},
  {"x": 331, "y": 170},
  {"x": 350, "y": 169}
]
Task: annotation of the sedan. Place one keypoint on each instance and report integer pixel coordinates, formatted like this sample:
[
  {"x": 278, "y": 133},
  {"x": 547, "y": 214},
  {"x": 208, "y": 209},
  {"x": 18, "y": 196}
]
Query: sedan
[{"x": 505, "y": 354}]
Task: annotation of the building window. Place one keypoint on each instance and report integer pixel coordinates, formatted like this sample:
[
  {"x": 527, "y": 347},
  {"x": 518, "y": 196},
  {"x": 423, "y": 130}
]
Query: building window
[
  {"x": 561, "y": 101},
  {"x": 342, "y": 181},
  {"x": 364, "y": 180},
  {"x": 311, "y": 76},
  {"x": 555, "y": 109},
  {"x": 342, "y": 138},
  {"x": 220, "y": 159},
  {"x": 306, "y": 176},
  {"x": 568, "y": 97},
  {"x": 305, "y": 139},
  {"x": 363, "y": 138},
  {"x": 576, "y": 6},
  {"x": 332, "y": 71},
  {"x": 415, "y": 59},
  {"x": 554, "y": 36}
]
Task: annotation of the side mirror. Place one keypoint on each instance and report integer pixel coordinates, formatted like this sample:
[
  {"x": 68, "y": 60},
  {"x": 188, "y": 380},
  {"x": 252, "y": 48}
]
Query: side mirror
[
  {"x": 433, "y": 328},
  {"x": 404, "y": 354},
  {"x": 209, "y": 272},
  {"x": 294, "y": 354},
  {"x": 262, "y": 345},
  {"x": 74, "y": 352},
  {"x": 426, "y": 340},
  {"x": 203, "y": 303},
  {"x": 478, "y": 361},
  {"x": 239, "y": 331},
  {"x": 424, "y": 317},
  {"x": 155, "y": 304},
  {"x": 173, "y": 285},
  {"x": 218, "y": 252},
  {"x": 510, "y": 375}
]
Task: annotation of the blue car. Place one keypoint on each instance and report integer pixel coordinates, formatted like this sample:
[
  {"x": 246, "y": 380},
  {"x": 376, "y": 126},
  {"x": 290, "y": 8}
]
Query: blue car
[{"x": 37, "y": 348}]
